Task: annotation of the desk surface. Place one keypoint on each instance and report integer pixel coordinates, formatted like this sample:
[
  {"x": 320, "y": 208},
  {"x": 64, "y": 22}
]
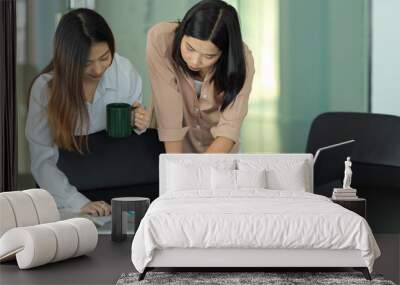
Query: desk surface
[{"x": 102, "y": 266}]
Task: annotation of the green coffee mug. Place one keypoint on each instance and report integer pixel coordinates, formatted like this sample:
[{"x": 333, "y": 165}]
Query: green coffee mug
[{"x": 119, "y": 120}]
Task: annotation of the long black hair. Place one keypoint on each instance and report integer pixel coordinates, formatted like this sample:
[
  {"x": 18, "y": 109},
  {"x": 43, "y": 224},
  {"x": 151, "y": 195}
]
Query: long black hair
[
  {"x": 66, "y": 110},
  {"x": 218, "y": 22}
]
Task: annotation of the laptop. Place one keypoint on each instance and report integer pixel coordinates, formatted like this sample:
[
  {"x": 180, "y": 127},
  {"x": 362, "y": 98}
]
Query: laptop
[{"x": 329, "y": 162}]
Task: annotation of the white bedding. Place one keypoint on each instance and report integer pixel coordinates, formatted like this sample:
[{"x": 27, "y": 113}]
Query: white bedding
[{"x": 251, "y": 218}]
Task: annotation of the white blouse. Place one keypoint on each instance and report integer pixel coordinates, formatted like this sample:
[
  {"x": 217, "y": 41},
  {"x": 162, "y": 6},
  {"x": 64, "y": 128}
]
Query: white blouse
[{"x": 120, "y": 83}]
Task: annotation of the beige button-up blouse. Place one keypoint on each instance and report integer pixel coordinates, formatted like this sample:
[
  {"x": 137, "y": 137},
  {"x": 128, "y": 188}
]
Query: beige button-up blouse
[{"x": 180, "y": 114}]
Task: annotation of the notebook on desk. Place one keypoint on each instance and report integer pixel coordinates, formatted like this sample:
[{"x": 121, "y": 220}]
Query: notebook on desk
[{"x": 329, "y": 161}]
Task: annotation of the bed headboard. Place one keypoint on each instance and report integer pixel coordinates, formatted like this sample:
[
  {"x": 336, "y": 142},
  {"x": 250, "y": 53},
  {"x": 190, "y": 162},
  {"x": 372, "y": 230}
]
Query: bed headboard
[{"x": 210, "y": 158}]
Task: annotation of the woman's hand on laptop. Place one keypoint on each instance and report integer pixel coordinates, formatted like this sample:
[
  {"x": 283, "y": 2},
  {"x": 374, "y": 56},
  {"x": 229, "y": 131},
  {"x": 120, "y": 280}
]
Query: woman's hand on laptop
[
  {"x": 141, "y": 118},
  {"x": 97, "y": 208}
]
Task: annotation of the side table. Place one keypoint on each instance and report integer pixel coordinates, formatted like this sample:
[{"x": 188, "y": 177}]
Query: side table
[
  {"x": 120, "y": 208},
  {"x": 357, "y": 205}
]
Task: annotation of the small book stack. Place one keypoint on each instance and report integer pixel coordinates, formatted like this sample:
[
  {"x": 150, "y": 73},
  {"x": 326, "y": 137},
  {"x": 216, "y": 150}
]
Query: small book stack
[{"x": 344, "y": 194}]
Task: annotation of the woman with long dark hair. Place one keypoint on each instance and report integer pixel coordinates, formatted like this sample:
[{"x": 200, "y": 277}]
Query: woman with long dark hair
[
  {"x": 201, "y": 74},
  {"x": 68, "y": 101}
]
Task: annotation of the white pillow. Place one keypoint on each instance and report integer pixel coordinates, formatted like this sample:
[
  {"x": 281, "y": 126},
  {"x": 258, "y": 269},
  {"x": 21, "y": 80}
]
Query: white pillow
[
  {"x": 292, "y": 179},
  {"x": 251, "y": 178},
  {"x": 287, "y": 174},
  {"x": 181, "y": 177},
  {"x": 227, "y": 179},
  {"x": 189, "y": 174},
  {"x": 223, "y": 179}
]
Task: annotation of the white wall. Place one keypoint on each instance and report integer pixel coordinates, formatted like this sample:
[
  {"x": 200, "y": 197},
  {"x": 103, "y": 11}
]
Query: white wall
[{"x": 386, "y": 57}]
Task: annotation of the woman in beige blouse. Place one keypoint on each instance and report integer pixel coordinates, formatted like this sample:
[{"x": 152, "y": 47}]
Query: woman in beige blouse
[{"x": 201, "y": 75}]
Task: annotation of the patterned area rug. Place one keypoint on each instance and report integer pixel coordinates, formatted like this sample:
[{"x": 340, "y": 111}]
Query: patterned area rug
[{"x": 244, "y": 278}]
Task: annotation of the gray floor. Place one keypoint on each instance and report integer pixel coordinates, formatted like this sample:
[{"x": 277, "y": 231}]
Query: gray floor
[
  {"x": 103, "y": 266},
  {"x": 389, "y": 262},
  {"x": 110, "y": 260}
]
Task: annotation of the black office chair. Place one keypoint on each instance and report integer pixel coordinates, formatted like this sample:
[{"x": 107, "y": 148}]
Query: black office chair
[
  {"x": 115, "y": 167},
  {"x": 376, "y": 161}
]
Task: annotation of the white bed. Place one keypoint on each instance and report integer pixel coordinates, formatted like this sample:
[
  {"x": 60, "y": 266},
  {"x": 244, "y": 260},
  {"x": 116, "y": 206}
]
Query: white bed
[{"x": 216, "y": 224}]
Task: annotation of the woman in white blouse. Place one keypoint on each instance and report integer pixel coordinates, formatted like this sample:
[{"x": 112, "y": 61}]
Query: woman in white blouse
[{"x": 68, "y": 101}]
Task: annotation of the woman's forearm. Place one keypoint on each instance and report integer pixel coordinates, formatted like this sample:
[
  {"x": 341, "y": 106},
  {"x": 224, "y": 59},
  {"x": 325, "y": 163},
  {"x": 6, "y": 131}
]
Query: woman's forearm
[
  {"x": 173, "y": 147},
  {"x": 220, "y": 145}
]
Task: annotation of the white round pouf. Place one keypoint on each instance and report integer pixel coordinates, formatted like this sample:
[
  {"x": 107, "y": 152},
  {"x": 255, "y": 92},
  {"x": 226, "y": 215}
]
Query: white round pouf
[
  {"x": 7, "y": 218},
  {"x": 31, "y": 233},
  {"x": 40, "y": 244},
  {"x": 23, "y": 208},
  {"x": 45, "y": 205},
  {"x": 67, "y": 240},
  {"x": 87, "y": 235},
  {"x": 33, "y": 246}
]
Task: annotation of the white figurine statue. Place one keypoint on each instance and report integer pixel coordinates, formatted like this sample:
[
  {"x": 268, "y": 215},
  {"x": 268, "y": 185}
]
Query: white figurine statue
[{"x": 347, "y": 174}]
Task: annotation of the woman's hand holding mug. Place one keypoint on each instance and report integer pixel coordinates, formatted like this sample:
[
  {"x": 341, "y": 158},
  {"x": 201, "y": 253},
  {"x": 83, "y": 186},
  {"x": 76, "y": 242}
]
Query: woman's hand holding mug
[{"x": 141, "y": 118}]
